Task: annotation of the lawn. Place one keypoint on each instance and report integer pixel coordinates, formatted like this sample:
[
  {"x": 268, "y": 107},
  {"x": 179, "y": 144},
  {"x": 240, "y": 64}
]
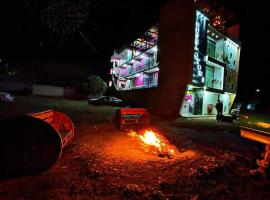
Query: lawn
[{"x": 105, "y": 163}]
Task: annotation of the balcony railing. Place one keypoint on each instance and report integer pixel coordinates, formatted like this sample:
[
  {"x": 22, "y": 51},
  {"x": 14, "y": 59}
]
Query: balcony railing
[
  {"x": 218, "y": 56},
  {"x": 214, "y": 83},
  {"x": 135, "y": 56},
  {"x": 146, "y": 85},
  {"x": 133, "y": 71}
]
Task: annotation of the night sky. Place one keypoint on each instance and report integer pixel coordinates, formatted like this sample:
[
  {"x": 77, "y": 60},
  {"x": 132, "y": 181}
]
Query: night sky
[
  {"x": 28, "y": 33},
  {"x": 254, "y": 36}
]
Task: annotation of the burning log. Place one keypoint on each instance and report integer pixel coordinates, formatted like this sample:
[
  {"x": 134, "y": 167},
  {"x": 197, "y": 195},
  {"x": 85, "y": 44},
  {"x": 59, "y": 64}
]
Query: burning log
[{"x": 155, "y": 143}]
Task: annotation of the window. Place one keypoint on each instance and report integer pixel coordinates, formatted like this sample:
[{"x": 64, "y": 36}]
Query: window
[
  {"x": 214, "y": 77},
  {"x": 211, "y": 48}
]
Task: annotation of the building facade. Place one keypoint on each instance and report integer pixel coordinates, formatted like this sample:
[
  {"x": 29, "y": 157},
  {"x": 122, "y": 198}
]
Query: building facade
[
  {"x": 215, "y": 70},
  {"x": 182, "y": 65},
  {"x": 136, "y": 67}
]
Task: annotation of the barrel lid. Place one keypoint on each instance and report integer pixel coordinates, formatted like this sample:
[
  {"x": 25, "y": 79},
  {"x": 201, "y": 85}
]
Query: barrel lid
[{"x": 27, "y": 146}]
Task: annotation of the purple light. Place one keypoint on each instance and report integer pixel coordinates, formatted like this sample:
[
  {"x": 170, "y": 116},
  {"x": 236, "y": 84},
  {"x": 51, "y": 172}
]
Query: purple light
[{"x": 139, "y": 80}]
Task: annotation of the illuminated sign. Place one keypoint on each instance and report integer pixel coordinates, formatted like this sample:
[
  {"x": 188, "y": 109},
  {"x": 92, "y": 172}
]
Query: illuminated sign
[{"x": 200, "y": 45}]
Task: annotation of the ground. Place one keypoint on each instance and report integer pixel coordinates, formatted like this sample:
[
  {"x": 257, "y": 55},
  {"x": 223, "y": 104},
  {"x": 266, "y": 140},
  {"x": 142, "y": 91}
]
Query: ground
[{"x": 105, "y": 163}]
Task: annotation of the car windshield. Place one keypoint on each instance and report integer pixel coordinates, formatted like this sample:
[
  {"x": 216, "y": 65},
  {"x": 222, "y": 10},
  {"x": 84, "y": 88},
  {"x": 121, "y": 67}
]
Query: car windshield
[{"x": 101, "y": 98}]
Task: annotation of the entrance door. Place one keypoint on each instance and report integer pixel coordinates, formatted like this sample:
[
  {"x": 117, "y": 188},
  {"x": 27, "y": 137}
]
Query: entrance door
[{"x": 198, "y": 104}]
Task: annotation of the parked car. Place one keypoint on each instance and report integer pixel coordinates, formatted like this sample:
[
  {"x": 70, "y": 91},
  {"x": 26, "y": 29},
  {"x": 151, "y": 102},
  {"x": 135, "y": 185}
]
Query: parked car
[
  {"x": 106, "y": 100},
  {"x": 255, "y": 125},
  {"x": 4, "y": 96},
  {"x": 235, "y": 111},
  {"x": 255, "y": 116}
]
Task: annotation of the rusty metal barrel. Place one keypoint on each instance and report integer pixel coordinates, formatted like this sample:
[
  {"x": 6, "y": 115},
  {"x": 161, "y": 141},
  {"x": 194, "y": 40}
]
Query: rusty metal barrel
[{"x": 32, "y": 143}]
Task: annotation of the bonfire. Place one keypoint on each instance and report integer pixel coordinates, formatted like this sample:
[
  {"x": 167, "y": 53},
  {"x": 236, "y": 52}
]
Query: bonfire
[{"x": 155, "y": 143}]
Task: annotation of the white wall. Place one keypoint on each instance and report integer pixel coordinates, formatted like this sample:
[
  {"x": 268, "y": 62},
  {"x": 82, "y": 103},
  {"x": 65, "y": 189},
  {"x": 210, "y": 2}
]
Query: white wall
[
  {"x": 47, "y": 90},
  {"x": 211, "y": 98},
  {"x": 228, "y": 99}
]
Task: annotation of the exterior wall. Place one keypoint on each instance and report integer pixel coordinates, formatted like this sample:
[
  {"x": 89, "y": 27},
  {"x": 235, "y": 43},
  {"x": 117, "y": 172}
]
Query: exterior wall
[
  {"x": 46, "y": 90},
  {"x": 234, "y": 31},
  {"x": 176, "y": 58}
]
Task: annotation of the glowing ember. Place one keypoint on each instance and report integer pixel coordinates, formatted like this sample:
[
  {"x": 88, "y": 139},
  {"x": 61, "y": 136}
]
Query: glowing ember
[{"x": 153, "y": 139}]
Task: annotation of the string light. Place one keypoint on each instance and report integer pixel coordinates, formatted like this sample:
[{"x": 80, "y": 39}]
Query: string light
[{"x": 218, "y": 23}]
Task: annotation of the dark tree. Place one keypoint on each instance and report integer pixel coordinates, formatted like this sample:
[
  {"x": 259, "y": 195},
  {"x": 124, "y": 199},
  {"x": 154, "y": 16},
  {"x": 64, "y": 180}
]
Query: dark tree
[{"x": 95, "y": 86}]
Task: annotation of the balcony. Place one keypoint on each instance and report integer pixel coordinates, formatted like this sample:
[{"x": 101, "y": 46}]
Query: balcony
[
  {"x": 146, "y": 85},
  {"x": 147, "y": 66},
  {"x": 216, "y": 55},
  {"x": 214, "y": 83},
  {"x": 219, "y": 56},
  {"x": 138, "y": 56}
]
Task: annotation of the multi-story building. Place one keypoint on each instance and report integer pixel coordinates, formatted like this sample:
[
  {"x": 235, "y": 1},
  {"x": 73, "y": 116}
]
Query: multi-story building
[
  {"x": 136, "y": 67},
  {"x": 182, "y": 65}
]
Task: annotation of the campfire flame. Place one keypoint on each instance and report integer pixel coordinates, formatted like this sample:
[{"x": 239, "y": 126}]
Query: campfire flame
[
  {"x": 151, "y": 139},
  {"x": 156, "y": 140}
]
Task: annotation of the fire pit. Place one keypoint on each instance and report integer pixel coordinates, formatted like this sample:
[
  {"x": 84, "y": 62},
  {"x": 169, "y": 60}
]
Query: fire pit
[{"x": 155, "y": 143}]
